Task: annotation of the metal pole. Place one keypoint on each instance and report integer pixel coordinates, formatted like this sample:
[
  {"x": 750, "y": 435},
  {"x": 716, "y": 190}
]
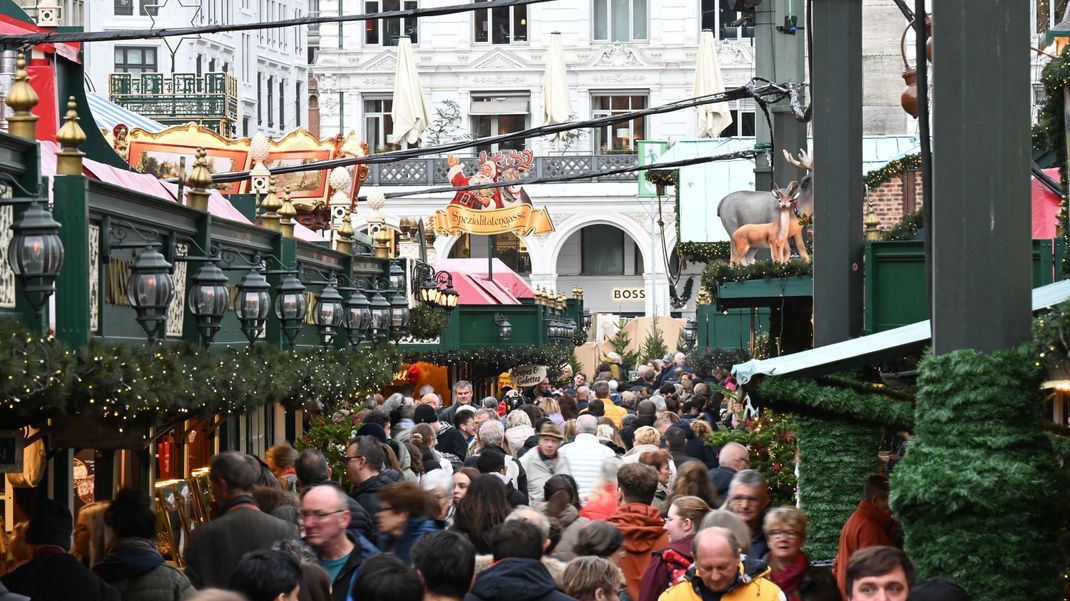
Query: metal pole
[
  {"x": 838, "y": 188},
  {"x": 789, "y": 52},
  {"x": 764, "y": 66},
  {"x": 922, "y": 65},
  {"x": 491, "y": 250},
  {"x": 981, "y": 236}
]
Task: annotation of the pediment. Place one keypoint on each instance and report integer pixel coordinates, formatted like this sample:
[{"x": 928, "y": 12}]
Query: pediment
[
  {"x": 499, "y": 59},
  {"x": 618, "y": 54},
  {"x": 386, "y": 61}
]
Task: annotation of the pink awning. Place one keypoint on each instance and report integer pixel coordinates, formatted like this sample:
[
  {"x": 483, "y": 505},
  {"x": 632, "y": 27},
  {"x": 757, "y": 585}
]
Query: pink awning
[
  {"x": 1045, "y": 207},
  {"x": 504, "y": 278}
]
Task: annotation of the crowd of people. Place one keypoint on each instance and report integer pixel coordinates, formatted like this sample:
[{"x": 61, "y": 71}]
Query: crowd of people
[{"x": 589, "y": 491}]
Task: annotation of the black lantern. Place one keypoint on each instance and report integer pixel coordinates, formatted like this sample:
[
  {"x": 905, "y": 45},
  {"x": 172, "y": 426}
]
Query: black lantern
[
  {"x": 358, "y": 317},
  {"x": 400, "y": 316},
  {"x": 448, "y": 297},
  {"x": 36, "y": 254},
  {"x": 429, "y": 291},
  {"x": 396, "y": 276},
  {"x": 381, "y": 317},
  {"x": 150, "y": 290},
  {"x": 330, "y": 315},
  {"x": 291, "y": 305},
  {"x": 586, "y": 320},
  {"x": 254, "y": 304},
  {"x": 505, "y": 329},
  {"x": 208, "y": 300},
  {"x": 690, "y": 332}
]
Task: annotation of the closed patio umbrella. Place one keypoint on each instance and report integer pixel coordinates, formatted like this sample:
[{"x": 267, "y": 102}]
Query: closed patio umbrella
[
  {"x": 712, "y": 118},
  {"x": 410, "y": 113},
  {"x": 557, "y": 107}
]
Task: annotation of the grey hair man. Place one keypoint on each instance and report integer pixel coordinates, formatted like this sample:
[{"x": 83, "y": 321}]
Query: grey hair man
[
  {"x": 523, "y": 513},
  {"x": 719, "y": 570},
  {"x": 732, "y": 458},
  {"x": 462, "y": 396},
  {"x": 490, "y": 439},
  {"x": 748, "y": 497},
  {"x": 585, "y": 454}
]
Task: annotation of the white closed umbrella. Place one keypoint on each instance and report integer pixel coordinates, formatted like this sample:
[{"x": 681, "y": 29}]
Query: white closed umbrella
[
  {"x": 410, "y": 113},
  {"x": 557, "y": 108},
  {"x": 712, "y": 118}
]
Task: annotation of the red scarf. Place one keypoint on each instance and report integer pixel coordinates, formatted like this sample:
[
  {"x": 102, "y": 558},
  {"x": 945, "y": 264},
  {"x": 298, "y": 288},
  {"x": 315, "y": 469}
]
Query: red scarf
[{"x": 788, "y": 578}]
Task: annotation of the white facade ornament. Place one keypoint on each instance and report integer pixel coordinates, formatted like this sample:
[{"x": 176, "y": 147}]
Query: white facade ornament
[{"x": 94, "y": 278}]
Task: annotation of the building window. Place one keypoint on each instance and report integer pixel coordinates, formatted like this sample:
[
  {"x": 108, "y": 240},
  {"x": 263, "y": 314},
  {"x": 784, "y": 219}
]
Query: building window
[
  {"x": 378, "y": 124},
  {"x": 620, "y": 20},
  {"x": 149, "y": 7},
  {"x": 135, "y": 59},
  {"x": 259, "y": 100},
  {"x": 282, "y": 104},
  {"x": 742, "y": 120},
  {"x": 717, "y": 15},
  {"x": 197, "y": 65},
  {"x": 271, "y": 101},
  {"x": 124, "y": 7},
  {"x": 1046, "y": 13},
  {"x": 499, "y": 114},
  {"x": 386, "y": 32},
  {"x": 501, "y": 25},
  {"x": 619, "y": 137},
  {"x": 297, "y": 114},
  {"x": 601, "y": 250},
  {"x": 245, "y": 127}
]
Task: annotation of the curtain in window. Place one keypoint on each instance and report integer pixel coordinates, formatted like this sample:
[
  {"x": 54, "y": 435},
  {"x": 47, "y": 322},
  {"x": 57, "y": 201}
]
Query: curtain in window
[
  {"x": 603, "y": 250},
  {"x": 620, "y": 25}
]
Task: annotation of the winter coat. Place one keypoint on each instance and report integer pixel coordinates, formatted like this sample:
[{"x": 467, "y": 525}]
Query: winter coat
[
  {"x": 722, "y": 479},
  {"x": 6, "y": 595},
  {"x": 517, "y": 436},
  {"x": 804, "y": 582},
  {"x": 614, "y": 412},
  {"x": 571, "y": 524},
  {"x": 515, "y": 579},
  {"x": 53, "y": 574},
  {"x": 362, "y": 550},
  {"x": 539, "y": 471},
  {"x": 665, "y": 568},
  {"x": 516, "y": 473},
  {"x": 698, "y": 449},
  {"x": 752, "y": 584},
  {"x": 451, "y": 442},
  {"x": 215, "y": 548},
  {"x": 644, "y": 532},
  {"x": 137, "y": 570},
  {"x": 402, "y": 546},
  {"x": 585, "y": 457},
  {"x": 367, "y": 493},
  {"x": 868, "y": 526}
]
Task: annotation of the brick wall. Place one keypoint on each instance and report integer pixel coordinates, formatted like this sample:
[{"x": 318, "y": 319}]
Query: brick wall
[{"x": 889, "y": 201}]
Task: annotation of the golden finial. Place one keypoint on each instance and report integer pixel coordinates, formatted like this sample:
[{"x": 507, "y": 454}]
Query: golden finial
[
  {"x": 70, "y": 137},
  {"x": 703, "y": 297},
  {"x": 287, "y": 213},
  {"x": 345, "y": 235},
  {"x": 200, "y": 178},
  {"x": 22, "y": 98},
  {"x": 872, "y": 223},
  {"x": 270, "y": 206}
]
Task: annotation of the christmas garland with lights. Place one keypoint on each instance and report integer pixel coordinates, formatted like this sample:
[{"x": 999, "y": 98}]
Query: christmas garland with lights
[
  {"x": 875, "y": 178},
  {"x": 706, "y": 362},
  {"x": 706, "y": 252},
  {"x": 1050, "y": 132},
  {"x": 495, "y": 357},
  {"x": 716, "y": 274},
  {"x": 852, "y": 400},
  {"x": 139, "y": 385},
  {"x": 771, "y": 439},
  {"x": 908, "y": 227}
]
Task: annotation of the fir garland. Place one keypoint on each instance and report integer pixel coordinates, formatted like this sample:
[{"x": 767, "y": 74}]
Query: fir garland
[
  {"x": 806, "y": 396},
  {"x": 707, "y": 252},
  {"x": 980, "y": 458},
  {"x": 771, "y": 439},
  {"x": 705, "y": 363},
  {"x": 908, "y": 227},
  {"x": 35, "y": 371},
  {"x": 679, "y": 301},
  {"x": 720, "y": 273},
  {"x": 1050, "y": 131},
  {"x": 495, "y": 357},
  {"x": 899, "y": 166},
  {"x": 428, "y": 323}
]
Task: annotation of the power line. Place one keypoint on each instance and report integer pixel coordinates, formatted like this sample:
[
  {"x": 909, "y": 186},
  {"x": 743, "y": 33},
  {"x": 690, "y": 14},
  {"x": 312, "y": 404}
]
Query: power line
[
  {"x": 750, "y": 90},
  {"x": 26, "y": 39}
]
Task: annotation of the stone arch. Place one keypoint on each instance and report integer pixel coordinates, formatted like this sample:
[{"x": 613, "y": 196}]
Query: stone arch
[{"x": 556, "y": 241}]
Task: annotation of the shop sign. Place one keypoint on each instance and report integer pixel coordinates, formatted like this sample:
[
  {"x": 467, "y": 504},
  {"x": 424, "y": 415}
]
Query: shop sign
[
  {"x": 627, "y": 295},
  {"x": 527, "y": 375}
]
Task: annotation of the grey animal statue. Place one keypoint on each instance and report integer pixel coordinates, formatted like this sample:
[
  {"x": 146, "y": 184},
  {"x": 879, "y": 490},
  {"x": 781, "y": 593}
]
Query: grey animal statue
[{"x": 745, "y": 206}]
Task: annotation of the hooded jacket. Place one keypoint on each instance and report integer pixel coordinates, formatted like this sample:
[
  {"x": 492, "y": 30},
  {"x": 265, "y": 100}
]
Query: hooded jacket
[
  {"x": 367, "y": 493},
  {"x": 54, "y": 574},
  {"x": 362, "y": 550},
  {"x": 515, "y": 579},
  {"x": 752, "y": 584},
  {"x": 868, "y": 526},
  {"x": 644, "y": 532},
  {"x": 137, "y": 570}
]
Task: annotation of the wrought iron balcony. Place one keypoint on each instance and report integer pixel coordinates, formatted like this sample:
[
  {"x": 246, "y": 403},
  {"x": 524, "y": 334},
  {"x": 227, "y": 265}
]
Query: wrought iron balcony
[
  {"x": 432, "y": 171},
  {"x": 210, "y": 99}
]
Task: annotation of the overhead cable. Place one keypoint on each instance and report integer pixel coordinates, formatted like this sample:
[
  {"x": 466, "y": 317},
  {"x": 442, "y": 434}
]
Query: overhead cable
[{"x": 27, "y": 39}]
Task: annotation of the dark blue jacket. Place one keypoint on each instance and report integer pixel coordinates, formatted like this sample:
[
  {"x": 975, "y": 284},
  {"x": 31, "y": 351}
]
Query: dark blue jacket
[
  {"x": 402, "y": 547},
  {"x": 515, "y": 579}
]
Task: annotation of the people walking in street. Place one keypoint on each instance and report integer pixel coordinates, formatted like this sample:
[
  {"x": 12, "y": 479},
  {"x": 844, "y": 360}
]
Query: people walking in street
[
  {"x": 733, "y": 458},
  {"x": 267, "y": 575},
  {"x": 870, "y": 525},
  {"x": 364, "y": 467},
  {"x": 879, "y": 572},
  {"x": 280, "y": 459},
  {"x": 405, "y": 514},
  {"x": 544, "y": 461},
  {"x": 484, "y": 506},
  {"x": 517, "y": 573},
  {"x": 785, "y": 529},
  {"x": 592, "y": 579},
  {"x": 720, "y": 573},
  {"x": 639, "y": 522},
  {"x": 325, "y": 519},
  {"x": 446, "y": 563}
]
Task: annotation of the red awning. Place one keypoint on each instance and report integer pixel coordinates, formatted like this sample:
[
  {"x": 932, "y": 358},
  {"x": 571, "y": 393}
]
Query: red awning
[
  {"x": 504, "y": 278},
  {"x": 1045, "y": 207},
  {"x": 11, "y": 26}
]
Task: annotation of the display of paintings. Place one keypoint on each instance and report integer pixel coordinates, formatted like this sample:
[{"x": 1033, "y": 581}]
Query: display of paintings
[{"x": 174, "y": 518}]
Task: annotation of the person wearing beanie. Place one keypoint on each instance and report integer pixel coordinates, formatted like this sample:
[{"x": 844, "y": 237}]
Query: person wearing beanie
[
  {"x": 54, "y": 573},
  {"x": 374, "y": 430},
  {"x": 450, "y": 442}
]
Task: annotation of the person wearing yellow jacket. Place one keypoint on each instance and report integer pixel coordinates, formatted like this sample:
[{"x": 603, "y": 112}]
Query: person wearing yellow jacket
[{"x": 719, "y": 574}]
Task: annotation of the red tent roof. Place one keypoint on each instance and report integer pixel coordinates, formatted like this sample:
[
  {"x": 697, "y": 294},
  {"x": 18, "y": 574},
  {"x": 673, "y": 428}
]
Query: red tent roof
[
  {"x": 1045, "y": 207},
  {"x": 475, "y": 288}
]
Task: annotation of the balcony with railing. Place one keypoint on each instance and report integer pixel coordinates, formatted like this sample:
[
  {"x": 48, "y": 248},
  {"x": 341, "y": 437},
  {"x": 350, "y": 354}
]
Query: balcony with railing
[
  {"x": 432, "y": 171},
  {"x": 210, "y": 99}
]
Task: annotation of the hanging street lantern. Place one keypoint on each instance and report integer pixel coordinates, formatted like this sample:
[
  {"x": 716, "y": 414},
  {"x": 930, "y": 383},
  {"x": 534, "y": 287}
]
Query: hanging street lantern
[
  {"x": 448, "y": 297},
  {"x": 329, "y": 315},
  {"x": 381, "y": 317},
  {"x": 690, "y": 332},
  {"x": 254, "y": 304},
  {"x": 505, "y": 329},
  {"x": 586, "y": 320},
  {"x": 36, "y": 254},
  {"x": 291, "y": 305},
  {"x": 400, "y": 316},
  {"x": 208, "y": 299},
  {"x": 396, "y": 277},
  {"x": 150, "y": 290},
  {"x": 358, "y": 317}
]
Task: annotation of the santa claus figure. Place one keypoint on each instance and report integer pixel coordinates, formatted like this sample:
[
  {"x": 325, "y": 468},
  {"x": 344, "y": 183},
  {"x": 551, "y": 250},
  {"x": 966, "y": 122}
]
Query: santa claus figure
[{"x": 484, "y": 198}]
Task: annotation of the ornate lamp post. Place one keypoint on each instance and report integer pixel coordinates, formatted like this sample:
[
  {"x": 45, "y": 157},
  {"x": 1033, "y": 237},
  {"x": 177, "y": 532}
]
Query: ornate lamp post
[
  {"x": 254, "y": 303},
  {"x": 381, "y": 317},
  {"x": 208, "y": 299},
  {"x": 358, "y": 317},
  {"x": 150, "y": 289},
  {"x": 505, "y": 329},
  {"x": 35, "y": 254},
  {"x": 400, "y": 316},
  {"x": 330, "y": 315},
  {"x": 291, "y": 305},
  {"x": 690, "y": 333}
]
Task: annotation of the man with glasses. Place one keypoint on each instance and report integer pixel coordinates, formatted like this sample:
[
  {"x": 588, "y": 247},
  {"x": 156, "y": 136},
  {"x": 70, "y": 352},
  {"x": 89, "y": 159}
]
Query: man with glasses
[
  {"x": 732, "y": 458},
  {"x": 748, "y": 497},
  {"x": 324, "y": 518},
  {"x": 719, "y": 573},
  {"x": 364, "y": 468}
]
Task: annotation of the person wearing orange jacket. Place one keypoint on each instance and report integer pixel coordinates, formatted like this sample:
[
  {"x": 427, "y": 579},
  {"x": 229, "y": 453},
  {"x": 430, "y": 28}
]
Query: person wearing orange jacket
[
  {"x": 638, "y": 521},
  {"x": 871, "y": 525}
]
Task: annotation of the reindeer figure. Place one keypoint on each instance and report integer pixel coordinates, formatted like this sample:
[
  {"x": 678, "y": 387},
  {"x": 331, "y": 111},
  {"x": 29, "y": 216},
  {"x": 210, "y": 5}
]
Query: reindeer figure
[{"x": 747, "y": 239}]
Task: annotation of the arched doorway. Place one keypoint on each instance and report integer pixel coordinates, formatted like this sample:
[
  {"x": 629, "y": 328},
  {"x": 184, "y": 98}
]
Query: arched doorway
[
  {"x": 608, "y": 264},
  {"x": 508, "y": 248}
]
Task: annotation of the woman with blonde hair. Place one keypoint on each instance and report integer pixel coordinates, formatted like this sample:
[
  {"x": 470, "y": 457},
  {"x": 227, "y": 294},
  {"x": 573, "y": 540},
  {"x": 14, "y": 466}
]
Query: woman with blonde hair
[
  {"x": 785, "y": 529},
  {"x": 668, "y": 566},
  {"x": 518, "y": 429},
  {"x": 552, "y": 409},
  {"x": 645, "y": 438},
  {"x": 91, "y": 535},
  {"x": 591, "y": 578}
]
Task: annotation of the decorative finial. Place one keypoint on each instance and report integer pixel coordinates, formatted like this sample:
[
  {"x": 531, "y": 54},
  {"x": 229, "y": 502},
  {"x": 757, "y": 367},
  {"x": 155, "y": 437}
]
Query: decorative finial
[
  {"x": 345, "y": 235},
  {"x": 872, "y": 223},
  {"x": 22, "y": 98},
  {"x": 198, "y": 182},
  {"x": 287, "y": 213},
  {"x": 271, "y": 205},
  {"x": 70, "y": 137}
]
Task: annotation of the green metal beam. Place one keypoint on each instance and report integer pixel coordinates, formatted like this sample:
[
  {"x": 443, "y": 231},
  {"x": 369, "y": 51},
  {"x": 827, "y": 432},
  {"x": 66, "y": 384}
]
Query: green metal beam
[{"x": 71, "y": 210}]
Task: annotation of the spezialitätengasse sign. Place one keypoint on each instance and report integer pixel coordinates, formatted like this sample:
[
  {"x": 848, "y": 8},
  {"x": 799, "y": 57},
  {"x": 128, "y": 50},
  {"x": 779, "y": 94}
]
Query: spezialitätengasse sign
[{"x": 490, "y": 211}]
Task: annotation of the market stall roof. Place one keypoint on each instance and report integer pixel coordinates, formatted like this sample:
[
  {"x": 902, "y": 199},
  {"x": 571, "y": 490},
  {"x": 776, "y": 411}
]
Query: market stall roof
[
  {"x": 144, "y": 183},
  {"x": 866, "y": 349},
  {"x": 1045, "y": 207},
  {"x": 475, "y": 288},
  {"x": 107, "y": 114}
]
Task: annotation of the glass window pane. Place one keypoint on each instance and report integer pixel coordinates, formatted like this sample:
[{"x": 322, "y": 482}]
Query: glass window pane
[
  {"x": 482, "y": 25},
  {"x": 508, "y": 124},
  {"x": 709, "y": 14},
  {"x": 601, "y": 20},
  {"x": 371, "y": 28},
  {"x": 602, "y": 249},
  {"x": 391, "y": 31},
  {"x": 520, "y": 23},
  {"x": 639, "y": 19},
  {"x": 620, "y": 17},
  {"x": 499, "y": 18},
  {"x": 481, "y": 128},
  {"x": 746, "y": 124}
]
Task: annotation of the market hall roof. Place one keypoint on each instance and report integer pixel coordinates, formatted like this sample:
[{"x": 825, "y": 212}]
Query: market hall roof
[{"x": 866, "y": 349}]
